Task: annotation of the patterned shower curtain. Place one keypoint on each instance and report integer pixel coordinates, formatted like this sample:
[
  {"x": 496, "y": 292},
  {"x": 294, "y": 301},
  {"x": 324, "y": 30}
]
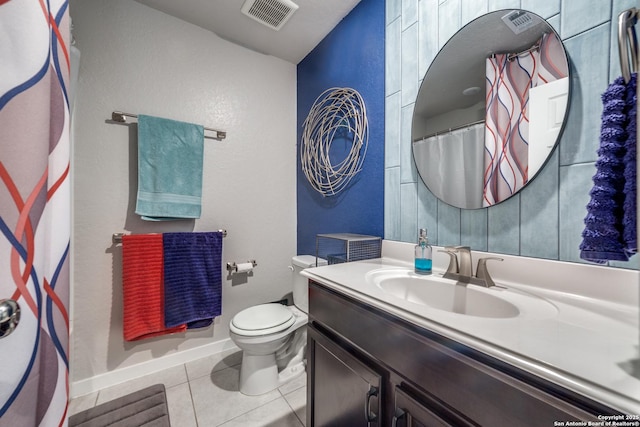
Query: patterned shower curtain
[
  {"x": 507, "y": 119},
  {"x": 35, "y": 210}
]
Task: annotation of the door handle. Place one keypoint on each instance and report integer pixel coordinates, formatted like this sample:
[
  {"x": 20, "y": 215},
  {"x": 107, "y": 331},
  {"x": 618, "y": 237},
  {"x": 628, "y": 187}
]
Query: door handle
[
  {"x": 400, "y": 413},
  {"x": 368, "y": 415},
  {"x": 9, "y": 316}
]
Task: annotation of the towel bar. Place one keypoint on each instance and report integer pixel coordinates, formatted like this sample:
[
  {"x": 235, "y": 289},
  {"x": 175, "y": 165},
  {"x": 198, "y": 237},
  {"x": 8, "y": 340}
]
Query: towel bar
[
  {"x": 117, "y": 237},
  {"x": 120, "y": 117}
]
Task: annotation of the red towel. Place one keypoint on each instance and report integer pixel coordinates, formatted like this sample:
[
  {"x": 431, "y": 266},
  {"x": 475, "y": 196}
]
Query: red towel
[{"x": 143, "y": 287}]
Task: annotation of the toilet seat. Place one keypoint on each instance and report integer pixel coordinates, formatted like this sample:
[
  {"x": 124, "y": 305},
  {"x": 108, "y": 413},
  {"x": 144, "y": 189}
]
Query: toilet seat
[{"x": 263, "y": 319}]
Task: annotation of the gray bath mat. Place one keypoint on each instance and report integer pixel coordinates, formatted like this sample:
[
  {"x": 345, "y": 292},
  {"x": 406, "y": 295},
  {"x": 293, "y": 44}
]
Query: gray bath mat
[{"x": 147, "y": 407}]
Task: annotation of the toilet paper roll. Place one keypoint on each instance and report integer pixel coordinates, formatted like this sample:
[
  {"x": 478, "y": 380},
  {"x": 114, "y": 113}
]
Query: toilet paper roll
[{"x": 244, "y": 267}]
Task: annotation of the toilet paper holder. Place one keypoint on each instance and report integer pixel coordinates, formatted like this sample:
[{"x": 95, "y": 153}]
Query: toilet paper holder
[{"x": 234, "y": 268}]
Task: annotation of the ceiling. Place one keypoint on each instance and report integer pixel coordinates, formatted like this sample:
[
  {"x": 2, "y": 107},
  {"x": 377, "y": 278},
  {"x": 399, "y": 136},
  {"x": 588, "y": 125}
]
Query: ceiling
[{"x": 313, "y": 20}]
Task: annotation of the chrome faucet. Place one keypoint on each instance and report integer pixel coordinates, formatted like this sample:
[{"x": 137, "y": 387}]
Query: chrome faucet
[{"x": 460, "y": 267}]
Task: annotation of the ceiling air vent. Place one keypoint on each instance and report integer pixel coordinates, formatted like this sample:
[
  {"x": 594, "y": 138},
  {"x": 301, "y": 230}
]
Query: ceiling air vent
[
  {"x": 272, "y": 13},
  {"x": 519, "y": 20}
]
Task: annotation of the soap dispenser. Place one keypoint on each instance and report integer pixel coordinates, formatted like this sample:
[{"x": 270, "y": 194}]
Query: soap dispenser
[{"x": 423, "y": 253}]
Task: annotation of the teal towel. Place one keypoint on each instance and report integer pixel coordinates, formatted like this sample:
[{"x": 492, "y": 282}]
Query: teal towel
[{"x": 169, "y": 169}]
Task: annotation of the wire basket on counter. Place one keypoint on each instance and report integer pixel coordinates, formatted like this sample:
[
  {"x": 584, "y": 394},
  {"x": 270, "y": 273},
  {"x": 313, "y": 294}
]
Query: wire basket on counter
[{"x": 346, "y": 247}]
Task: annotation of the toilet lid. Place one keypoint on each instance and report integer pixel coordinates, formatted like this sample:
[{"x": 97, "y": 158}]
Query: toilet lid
[{"x": 263, "y": 319}]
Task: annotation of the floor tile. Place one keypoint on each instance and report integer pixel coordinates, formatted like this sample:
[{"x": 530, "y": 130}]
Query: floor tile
[
  {"x": 181, "y": 412},
  {"x": 273, "y": 414},
  {"x": 216, "y": 362},
  {"x": 294, "y": 384},
  {"x": 216, "y": 398},
  {"x": 205, "y": 393},
  {"x": 297, "y": 400}
]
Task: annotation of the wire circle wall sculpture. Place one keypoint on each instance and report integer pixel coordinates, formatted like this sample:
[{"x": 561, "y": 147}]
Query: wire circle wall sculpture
[{"x": 336, "y": 113}]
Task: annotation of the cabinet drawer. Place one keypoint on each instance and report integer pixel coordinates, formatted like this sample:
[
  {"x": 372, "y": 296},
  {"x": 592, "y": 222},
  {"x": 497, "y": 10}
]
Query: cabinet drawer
[
  {"x": 410, "y": 411},
  {"x": 482, "y": 388}
]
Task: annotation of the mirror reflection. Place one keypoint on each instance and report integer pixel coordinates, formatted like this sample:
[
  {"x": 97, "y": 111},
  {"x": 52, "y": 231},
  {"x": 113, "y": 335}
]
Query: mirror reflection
[{"x": 490, "y": 109}]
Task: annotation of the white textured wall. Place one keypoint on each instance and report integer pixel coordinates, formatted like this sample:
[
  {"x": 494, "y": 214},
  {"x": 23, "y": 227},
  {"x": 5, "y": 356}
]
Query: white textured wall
[{"x": 138, "y": 60}]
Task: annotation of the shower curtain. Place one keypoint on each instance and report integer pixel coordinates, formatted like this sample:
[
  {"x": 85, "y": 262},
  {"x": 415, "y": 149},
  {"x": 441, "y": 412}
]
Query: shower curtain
[
  {"x": 34, "y": 210},
  {"x": 456, "y": 158},
  {"x": 506, "y": 167}
]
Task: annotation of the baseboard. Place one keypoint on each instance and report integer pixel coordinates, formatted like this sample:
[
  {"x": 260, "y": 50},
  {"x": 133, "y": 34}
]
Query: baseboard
[{"x": 117, "y": 376}]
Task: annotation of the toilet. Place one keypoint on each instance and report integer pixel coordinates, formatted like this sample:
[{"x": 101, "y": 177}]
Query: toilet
[{"x": 273, "y": 336}]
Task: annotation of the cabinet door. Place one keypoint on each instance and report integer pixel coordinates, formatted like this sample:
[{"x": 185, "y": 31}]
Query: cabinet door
[
  {"x": 345, "y": 391},
  {"x": 412, "y": 412}
]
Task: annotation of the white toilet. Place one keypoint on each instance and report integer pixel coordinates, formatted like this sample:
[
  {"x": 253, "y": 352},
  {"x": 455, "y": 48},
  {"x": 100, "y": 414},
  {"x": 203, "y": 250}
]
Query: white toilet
[{"x": 273, "y": 337}]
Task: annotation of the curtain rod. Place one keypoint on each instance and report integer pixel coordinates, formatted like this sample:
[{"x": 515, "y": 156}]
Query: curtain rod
[
  {"x": 535, "y": 47},
  {"x": 120, "y": 117},
  {"x": 442, "y": 132},
  {"x": 511, "y": 56}
]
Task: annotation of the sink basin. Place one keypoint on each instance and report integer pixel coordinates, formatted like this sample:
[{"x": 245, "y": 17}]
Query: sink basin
[
  {"x": 458, "y": 298},
  {"x": 452, "y": 297}
]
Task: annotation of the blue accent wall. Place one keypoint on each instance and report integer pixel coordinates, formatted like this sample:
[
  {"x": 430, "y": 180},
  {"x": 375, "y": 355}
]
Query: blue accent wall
[{"x": 353, "y": 56}]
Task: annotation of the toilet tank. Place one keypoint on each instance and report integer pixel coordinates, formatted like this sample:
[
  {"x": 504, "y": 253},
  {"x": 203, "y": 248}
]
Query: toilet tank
[{"x": 301, "y": 283}]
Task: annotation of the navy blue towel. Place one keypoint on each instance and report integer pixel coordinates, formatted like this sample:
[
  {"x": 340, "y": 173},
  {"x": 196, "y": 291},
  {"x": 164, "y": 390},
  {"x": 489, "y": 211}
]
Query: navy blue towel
[
  {"x": 192, "y": 278},
  {"x": 609, "y": 233},
  {"x": 630, "y": 235}
]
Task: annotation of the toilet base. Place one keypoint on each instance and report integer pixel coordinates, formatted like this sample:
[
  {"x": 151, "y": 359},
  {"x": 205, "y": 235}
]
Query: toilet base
[
  {"x": 259, "y": 373},
  {"x": 269, "y": 361}
]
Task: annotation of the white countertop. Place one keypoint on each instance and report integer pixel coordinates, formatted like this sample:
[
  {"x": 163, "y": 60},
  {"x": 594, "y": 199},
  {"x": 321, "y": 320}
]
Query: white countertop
[{"x": 588, "y": 344}]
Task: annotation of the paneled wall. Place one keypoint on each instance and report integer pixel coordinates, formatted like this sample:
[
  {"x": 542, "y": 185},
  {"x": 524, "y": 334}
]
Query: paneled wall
[{"x": 544, "y": 220}]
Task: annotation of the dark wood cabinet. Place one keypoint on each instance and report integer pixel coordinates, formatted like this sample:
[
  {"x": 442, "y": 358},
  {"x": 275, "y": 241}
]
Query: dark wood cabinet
[
  {"x": 346, "y": 390},
  {"x": 420, "y": 378}
]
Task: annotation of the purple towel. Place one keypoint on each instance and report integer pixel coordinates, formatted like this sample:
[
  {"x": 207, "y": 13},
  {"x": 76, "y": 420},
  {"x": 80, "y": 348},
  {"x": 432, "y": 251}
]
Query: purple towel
[
  {"x": 610, "y": 217},
  {"x": 192, "y": 278},
  {"x": 630, "y": 236}
]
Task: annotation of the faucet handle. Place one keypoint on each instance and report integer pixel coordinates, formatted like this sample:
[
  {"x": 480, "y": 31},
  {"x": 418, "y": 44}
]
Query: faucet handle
[
  {"x": 482, "y": 273},
  {"x": 457, "y": 248},
  {"x": 453, "y": 260},
  {"x": 464, "y": 260}
]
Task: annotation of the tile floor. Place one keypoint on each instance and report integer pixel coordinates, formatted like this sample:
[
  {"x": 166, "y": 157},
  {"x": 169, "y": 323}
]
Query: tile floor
[{"x": 204, "y": 393}]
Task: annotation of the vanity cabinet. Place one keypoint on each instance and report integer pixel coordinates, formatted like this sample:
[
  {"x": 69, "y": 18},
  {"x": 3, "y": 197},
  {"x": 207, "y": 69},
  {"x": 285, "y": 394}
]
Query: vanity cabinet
[
  {"x": 367, "y": 367},
  {"x": 346, "y": 390}
]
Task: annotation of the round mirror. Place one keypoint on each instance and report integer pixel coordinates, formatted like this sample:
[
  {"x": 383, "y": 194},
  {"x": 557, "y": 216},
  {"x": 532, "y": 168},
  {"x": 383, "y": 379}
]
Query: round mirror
[{"x": 490, "y": 109}]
